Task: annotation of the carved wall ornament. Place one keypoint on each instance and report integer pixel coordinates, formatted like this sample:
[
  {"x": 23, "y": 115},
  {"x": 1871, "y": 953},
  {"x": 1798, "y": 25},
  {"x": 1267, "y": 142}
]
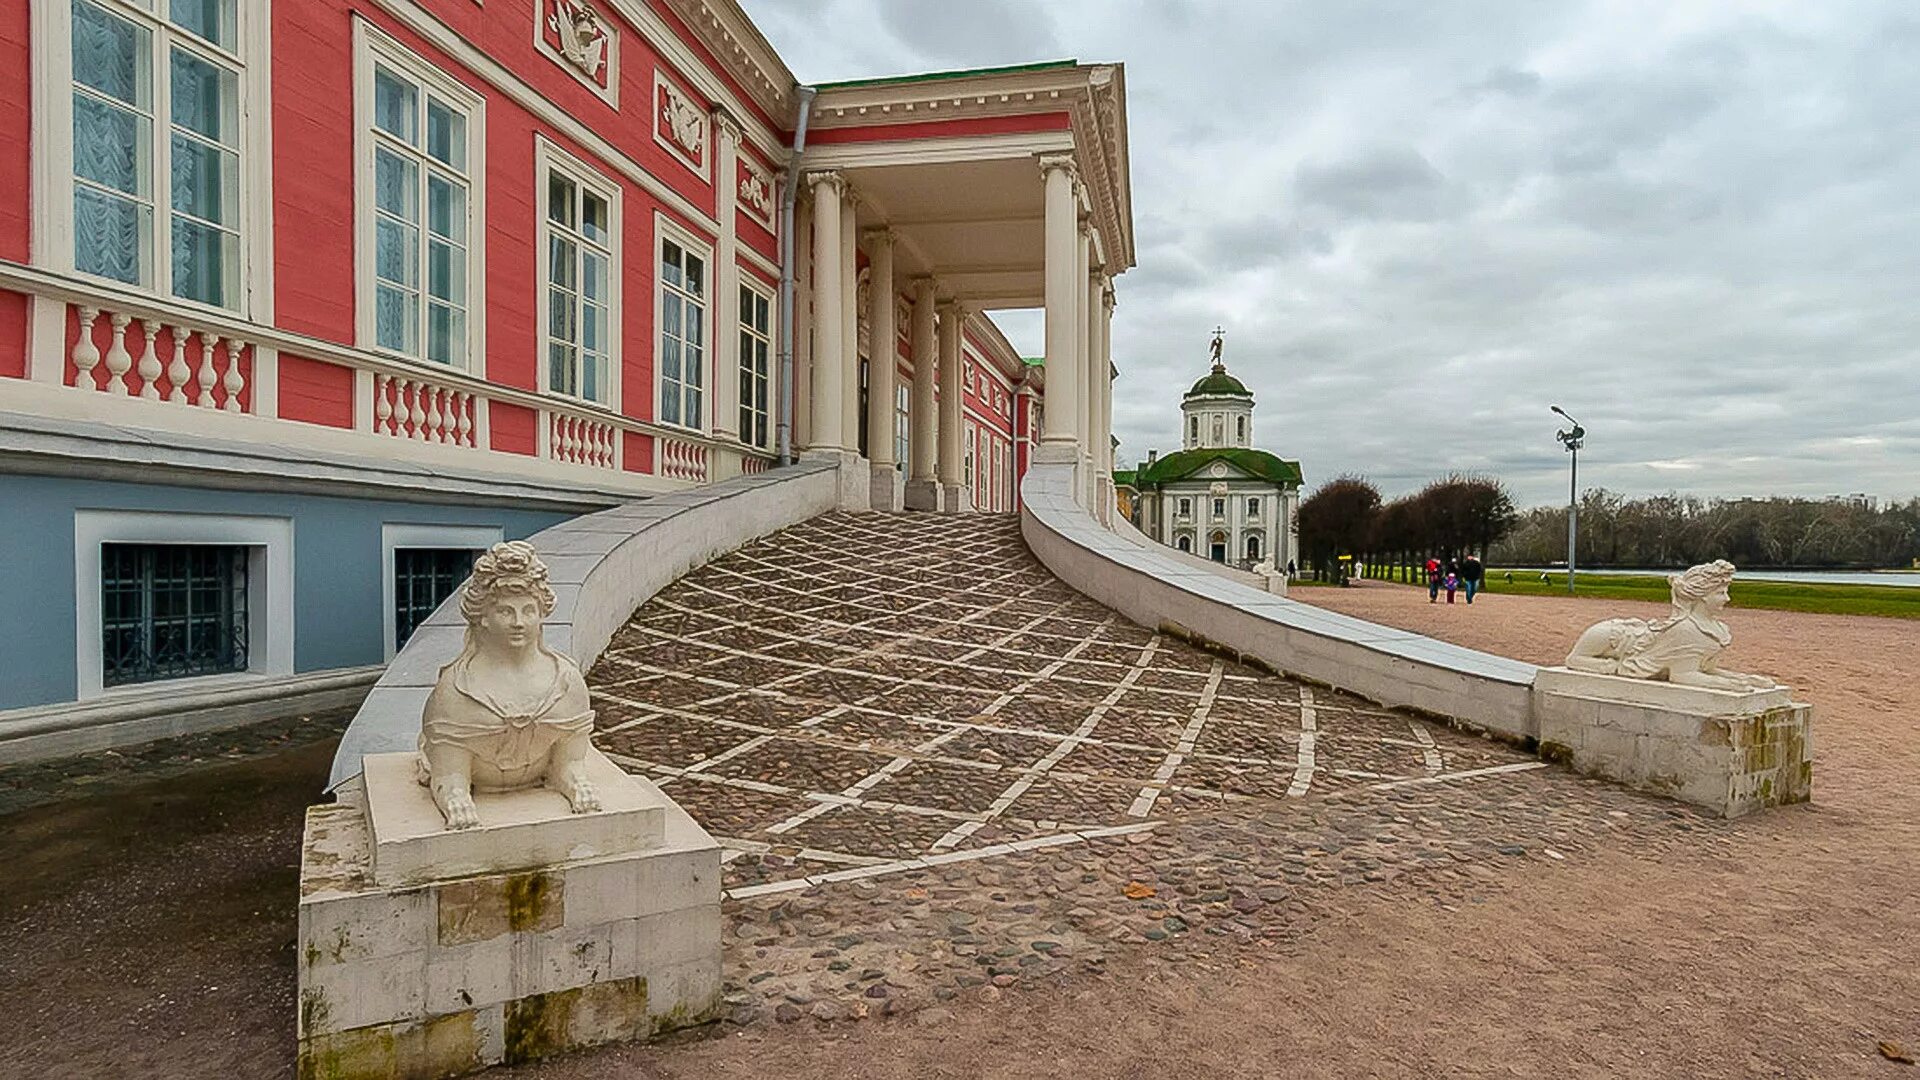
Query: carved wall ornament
[
  {"x": 756, "y": 191},
  {"x": 508, "y": 713},
  {"x": 1681, "y": 648},
  {"x": 582, "y": 41},
  {"x": 679, "y": 124}
]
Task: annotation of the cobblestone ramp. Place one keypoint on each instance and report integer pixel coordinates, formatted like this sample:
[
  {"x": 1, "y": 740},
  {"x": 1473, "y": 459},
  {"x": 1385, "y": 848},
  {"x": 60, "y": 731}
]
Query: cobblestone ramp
[{"x": 871, "y": 693}]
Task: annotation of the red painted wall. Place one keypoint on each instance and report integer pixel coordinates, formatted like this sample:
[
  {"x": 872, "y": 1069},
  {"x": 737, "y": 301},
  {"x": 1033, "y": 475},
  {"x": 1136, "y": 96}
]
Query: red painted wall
[
  {"x": 16, "y": 84},
  {"x": 315, "y": 392},
  {"x": 513, "y": 428},
  {"x": 313, "y": 169},
  {"x": 13, "y": 335}
]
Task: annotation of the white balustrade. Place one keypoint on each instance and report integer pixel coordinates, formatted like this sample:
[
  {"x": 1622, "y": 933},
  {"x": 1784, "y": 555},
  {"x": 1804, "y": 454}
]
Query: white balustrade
[
  {"x": 579, "y": 440},
  {"x": 200, "y": 367},
  {"x": 681, "y": 460},
  {"x": 410, "y": 408}
]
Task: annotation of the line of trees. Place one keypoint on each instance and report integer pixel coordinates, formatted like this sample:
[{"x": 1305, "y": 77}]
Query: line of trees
[
  {"x": 1678, "y": 530},
  {"x": 1446, "y": 519}
]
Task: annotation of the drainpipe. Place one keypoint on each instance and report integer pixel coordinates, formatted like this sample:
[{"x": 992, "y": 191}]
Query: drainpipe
[{"x": 802, "y": 108}]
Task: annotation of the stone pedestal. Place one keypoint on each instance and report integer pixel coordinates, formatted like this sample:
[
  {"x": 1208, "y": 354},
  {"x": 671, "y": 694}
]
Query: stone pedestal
[
  {"x": 413, "y": 963},
  {"x": 889, "y": 488},
  {"x": 1276, "y": 583},
  {"x": 856, "y": 478},
  {"x": 1730, "y": 751},
  {"x": 955, "y": 499},
  {"x": 922, "y": 495}
]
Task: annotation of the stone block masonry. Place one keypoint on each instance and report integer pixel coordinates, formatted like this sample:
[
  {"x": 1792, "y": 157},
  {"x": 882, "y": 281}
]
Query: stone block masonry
[
  {"x": 1731, "y": 752},
  {"x": 446, "y": 977}
]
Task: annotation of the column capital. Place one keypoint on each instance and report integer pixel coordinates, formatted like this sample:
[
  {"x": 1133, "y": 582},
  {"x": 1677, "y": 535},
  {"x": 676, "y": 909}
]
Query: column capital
[
  {"x": 827, "y": 178},
  {"x": 1050, "y": 163},
  {"x": 923, "y": 287},
  {"x": 953, "y": 309},
  {"x": 879, "y": 236},
  {"x": 725, "y": 125}
]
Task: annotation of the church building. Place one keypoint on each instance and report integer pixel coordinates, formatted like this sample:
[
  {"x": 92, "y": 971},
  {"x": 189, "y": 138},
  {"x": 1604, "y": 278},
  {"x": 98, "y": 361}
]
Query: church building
[{"x": 1218, "y": 496}]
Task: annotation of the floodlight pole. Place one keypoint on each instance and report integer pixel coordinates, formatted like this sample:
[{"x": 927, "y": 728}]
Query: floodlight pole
[{"x": 1572, "y": 441}]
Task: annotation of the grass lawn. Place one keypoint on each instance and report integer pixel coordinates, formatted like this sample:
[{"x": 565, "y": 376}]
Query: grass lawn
[{"x": 1889, "y": 600}]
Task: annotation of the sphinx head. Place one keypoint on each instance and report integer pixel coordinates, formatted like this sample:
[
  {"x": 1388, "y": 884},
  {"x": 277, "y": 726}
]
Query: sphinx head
[
  {"x": 1702, "y": 587},
  {"x": 508, "y": 597}
]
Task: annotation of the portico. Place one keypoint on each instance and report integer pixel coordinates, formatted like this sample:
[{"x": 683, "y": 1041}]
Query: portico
[{"x": 934, "y": 200}]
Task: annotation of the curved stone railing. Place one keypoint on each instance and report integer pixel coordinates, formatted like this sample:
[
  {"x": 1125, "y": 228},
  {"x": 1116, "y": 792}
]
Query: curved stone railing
[
  {"x": 603, "y": 566},
  {"x": 1155, "y": 587}
]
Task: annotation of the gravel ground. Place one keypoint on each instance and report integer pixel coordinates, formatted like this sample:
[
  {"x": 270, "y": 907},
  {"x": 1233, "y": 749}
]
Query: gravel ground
[{"x": 1525, "y": 924}]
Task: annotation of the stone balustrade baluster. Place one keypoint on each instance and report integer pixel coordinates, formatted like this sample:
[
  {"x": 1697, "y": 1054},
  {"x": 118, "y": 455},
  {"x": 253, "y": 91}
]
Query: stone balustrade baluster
[
  {"x": 177, "y": 371},
  {"x": 233, "y": 382},
  {"x": 119, "y": 360},
  {"x": 209, "y": 345},
  {"x": 463, "y": 419},
  {"x": 402, "y": 409},
  {"x": 150, "y": 361},
  {"x": 86, "y": 355},
  {"x": 383, "y": 404}
]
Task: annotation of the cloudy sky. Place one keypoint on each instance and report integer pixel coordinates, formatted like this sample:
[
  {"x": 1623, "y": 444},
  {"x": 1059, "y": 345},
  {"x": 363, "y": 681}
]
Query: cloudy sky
[{"x": 1696, "y": 226}]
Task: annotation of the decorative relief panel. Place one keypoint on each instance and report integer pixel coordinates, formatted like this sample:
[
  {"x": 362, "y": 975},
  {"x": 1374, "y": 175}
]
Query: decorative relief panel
[
  {"x": 756, "y": 191},
  {"x": 679, "y": 124},
  {"x": 583, "y": 41}
]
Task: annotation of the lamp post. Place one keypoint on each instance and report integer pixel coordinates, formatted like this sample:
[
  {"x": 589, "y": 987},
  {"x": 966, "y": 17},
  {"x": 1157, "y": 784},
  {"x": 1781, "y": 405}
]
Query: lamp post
[{"x": 1571, "y": 439}]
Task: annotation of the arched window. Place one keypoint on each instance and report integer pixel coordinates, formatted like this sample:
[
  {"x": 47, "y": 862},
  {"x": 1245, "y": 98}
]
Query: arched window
[
  {"x": 1193, "y": 430},
  {"x": 1253, "y": 548},
  {"x": 1243, "y": 431},
  {"x": 1184, "y": 543}
]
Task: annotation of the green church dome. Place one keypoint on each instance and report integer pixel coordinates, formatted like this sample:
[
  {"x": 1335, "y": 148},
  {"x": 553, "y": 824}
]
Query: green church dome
[{"x": 1218, "y": 383}]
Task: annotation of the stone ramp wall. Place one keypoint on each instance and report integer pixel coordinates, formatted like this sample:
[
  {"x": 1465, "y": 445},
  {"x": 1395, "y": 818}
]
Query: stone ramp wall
[{"x": 603, "y": 566}]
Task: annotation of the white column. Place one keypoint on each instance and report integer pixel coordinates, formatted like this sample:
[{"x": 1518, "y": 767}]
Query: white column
[
  {"x": 951, "y": 399},
  {"x": 883, "y": 353},
  {"x": 1063, "y": 275},
  {"x": 1103, "y": 366},
  {"x": 921, "y": 422},
  {"x": 725, "y": 421},
  {"x": 829, "y": 353},
  {"x": 1082, "y": 361},
  {"x": 849, "y": 323}
]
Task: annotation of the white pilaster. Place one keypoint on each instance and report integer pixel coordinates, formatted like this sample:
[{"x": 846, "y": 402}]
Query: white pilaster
[
  {"x": 802, "y": 322},
  {"x": 952, "y": 316},
  {"x": 725, "y": 420},
  {"x": 849, "y": 322},
  {"x": 923, "y": 488},
  {"x": 1083, "y": 362},
  {"x": 882, "y": 349}
]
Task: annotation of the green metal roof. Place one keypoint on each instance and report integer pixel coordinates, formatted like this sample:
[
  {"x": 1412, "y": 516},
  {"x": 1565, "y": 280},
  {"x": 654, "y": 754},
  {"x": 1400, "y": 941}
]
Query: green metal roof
[
  {"x": 959, "y": 73},
  {"x": 1034, "y": 361},
  {"x": 1219, "y": 383},
  {"x": 1184, "y": 463},
  {"x": 1123, "y": 477}
]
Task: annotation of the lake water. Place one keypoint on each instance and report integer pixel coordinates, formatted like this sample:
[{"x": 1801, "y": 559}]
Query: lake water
[{"x": 1906, "y": 578}]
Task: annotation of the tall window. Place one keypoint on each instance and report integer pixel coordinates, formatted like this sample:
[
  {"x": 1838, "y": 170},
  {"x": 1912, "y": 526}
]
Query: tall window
[
  {"x": 1242, "y": 423},
  {"x": 1193, "y": 430},
  {"x": 1253, "y": 548},
  {"x": 1253, "y": 507},
  {"x": 683, "y": 322},
  {"x": 156, "y": 146},
  {"x": 973, "y": 437},
  {"x": 1186, "y": 507},
  {"x": 756, "y": 341},
  {"x": 1219, "y": 508},
  {"x": 579, "y": 260},
  {"x": 421, "y": 195},
  {"x": 168, "y": 611},
  {"x": 902, "y": 421}
]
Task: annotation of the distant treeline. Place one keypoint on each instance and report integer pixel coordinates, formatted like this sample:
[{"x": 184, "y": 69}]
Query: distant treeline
[{"x": 1680, "y": 530}]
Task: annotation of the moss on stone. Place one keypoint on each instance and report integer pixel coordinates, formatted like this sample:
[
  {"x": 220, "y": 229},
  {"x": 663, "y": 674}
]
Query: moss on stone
[{"x": 528, "y": 897}]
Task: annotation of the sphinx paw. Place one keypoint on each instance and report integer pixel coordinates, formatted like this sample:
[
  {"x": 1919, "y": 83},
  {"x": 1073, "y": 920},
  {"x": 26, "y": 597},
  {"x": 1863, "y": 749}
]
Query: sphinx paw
[
  {"x": 460, "y": 811},
  {"x": 582, "y": 797}
]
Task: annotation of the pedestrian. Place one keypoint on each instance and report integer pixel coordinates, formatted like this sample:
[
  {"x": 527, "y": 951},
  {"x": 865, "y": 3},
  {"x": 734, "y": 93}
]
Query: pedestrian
[
  {"x": 1472, "y": 574},
  {"x": 1452, "y": 583},
  {"x": 1433, "y": 580},
  {"x": 1289, "y": 569}
]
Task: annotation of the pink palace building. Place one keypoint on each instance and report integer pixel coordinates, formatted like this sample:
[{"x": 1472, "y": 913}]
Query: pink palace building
[{"x": 304, "y": 301}]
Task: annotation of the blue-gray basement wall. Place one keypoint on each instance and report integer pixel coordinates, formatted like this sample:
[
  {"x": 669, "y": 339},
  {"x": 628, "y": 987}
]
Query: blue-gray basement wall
[{"x": 336, "y": 578}]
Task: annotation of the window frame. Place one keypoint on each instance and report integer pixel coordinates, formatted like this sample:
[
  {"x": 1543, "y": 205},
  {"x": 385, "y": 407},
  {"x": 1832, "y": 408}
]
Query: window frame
[
  {"x": 550, "y": 159},
  {"x": 667, "y": 230},
  {"x": 54, "y": 223},
  {"x": 371, "y": 46},
  {"x": 395, "y": 535},
  {"x": 270, "y": 623},
  {"x": 749, "y": 285}
]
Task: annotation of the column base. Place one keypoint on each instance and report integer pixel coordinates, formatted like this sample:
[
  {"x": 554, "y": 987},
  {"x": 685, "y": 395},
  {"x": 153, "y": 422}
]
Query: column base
[
  {"x": 922, "y": 495},
  {"x": 856, "y": 480},
  {"x": 955, "y": 499},
  {"x": 889, "y": 489}
]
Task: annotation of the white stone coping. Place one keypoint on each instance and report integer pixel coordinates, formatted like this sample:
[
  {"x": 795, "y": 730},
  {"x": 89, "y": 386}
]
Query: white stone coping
[
  {"x": 1394, "y": 667},
  {"x": 1659, "y": 694},
  {"x": 604, "y": 566}
]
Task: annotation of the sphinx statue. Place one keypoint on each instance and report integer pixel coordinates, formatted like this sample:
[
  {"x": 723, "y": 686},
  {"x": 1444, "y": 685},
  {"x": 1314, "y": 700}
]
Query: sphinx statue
[
  {"x": 508, "y": 713},
  {"x": 1681, "y": 648}
]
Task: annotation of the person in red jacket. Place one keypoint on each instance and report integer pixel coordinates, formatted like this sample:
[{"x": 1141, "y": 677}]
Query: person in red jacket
[{"x": 1433, "y": 581}]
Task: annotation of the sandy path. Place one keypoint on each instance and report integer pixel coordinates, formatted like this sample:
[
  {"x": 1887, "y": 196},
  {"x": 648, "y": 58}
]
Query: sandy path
[{"x": 1780, "y": 945}]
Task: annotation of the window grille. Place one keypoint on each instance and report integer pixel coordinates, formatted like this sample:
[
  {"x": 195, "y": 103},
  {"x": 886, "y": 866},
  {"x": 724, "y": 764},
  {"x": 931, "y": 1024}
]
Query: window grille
[
  {"x": 422, "y": 579},
  {"x": 170, "y": 611}
]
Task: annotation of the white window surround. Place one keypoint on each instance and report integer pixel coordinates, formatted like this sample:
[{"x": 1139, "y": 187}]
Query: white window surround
[
  {"x": 371, "y": 44},
  {"x": 551, "y": 158},
  {"x": 665, "y": 229},
  {"x": 51, "y": 37},
  {"x": 269, "y": 541},
  {"x": 394, "y": 535}
]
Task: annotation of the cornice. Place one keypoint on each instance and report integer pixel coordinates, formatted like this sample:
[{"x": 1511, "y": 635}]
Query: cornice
[{"x": 731, "y": 37}]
